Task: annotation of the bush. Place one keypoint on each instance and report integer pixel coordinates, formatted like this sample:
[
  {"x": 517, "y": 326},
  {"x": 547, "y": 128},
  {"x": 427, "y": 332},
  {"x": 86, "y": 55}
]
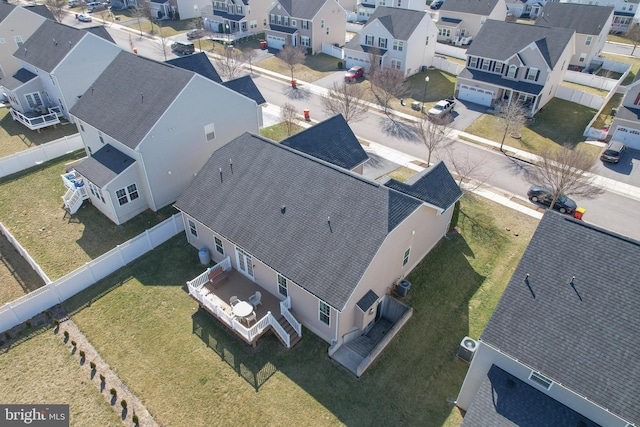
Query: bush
[
  {"x": 134, "y": 419},
  {"x": 340, "y": 65},
  {"x": 102, "y": 378},
  {"x": 82, "y": 354},
  {"x": 123, "y": 403},
  {"x": 46, "y": 312},
  {"x": 56, "y": 322},
  {"x": 66, "y": 334},
  {"x": 113, "y": 391},
  {"x": 73, "y": 343},
  {"x": 92, "y": 365}
]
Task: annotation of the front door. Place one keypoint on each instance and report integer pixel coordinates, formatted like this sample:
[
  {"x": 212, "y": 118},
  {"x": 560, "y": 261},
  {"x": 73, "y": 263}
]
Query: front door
[{"x": 245, "y": 263}]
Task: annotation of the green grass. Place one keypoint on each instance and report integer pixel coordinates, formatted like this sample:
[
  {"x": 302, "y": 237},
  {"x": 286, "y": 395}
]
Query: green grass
[
  {"x": 402, "y": 174},
  {"x": 278, "y": 132},
  {"x": 605, "y": 118},
  {"x": 182, "y": 363},
  {"x": 314, "y": 67},
  {"x": 557, "y": 123},
  {"x": 635, "y": 65},
  {"x": 16, "y": 137},
  {"x": 35, "y": 217}
]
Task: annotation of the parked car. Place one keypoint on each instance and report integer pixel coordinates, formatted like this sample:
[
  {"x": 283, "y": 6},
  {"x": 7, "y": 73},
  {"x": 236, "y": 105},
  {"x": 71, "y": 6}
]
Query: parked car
[
  {"x": 74, "y": 3},
  {"x": 183, "y": 48},
  {"x": 195, "y": 34},
  {"x": 613, "y": 152},
  {"x": 436, "y": 4},
  {"x": 442, "y": 108},
  {"x": 84, "y": 18},
  {"x": 95, "y": 7},
  {"x": 545, "y": 196},
  {"x": 354, "y": 74}
]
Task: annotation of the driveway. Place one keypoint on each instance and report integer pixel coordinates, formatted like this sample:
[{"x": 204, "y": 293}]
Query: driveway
[
  {"x": 465, "y": 113},
  {"x": 627, "y": 170}
]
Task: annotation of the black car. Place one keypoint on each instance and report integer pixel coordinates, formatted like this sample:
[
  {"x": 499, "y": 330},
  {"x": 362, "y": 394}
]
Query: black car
[
  {"x": 436, "y": 4},
  {"x": 183, "y": 48},
  {"x": 545, "y": 196}
]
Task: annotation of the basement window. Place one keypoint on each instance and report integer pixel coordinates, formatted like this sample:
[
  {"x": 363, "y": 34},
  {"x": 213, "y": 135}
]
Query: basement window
[{"x": 541, "y": 380}]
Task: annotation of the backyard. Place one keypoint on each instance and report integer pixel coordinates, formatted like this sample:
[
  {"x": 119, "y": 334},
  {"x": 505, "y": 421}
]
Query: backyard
[{"x": 175, "y": 357}]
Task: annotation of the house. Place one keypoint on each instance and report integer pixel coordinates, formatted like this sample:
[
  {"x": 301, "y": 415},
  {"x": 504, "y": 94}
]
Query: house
[
  {"x": 326, "y": 242},
  {"x": 17, "y": 24},
  {"x": 306, "y": 23},
  {"x": 396, "y": 38},
  {"x": 238, "y": 18},
  {"x": 626, "y": 123},
  {"x": 161, "y": 9},
  {"x": 509, "y": 61},
  {"x": 332, "y": 141},
  {"x": 591, "y": 24},
  {"x": 57, "y": 65},
  {"x": 365, "y": 8},
  {"x": 461, "y": 20},
  {"x": 525, "y": 9},
  {"x": 624, "y": 14},
  {"x": 145, "y": 138},
  {"x": 558, "y": 349}
]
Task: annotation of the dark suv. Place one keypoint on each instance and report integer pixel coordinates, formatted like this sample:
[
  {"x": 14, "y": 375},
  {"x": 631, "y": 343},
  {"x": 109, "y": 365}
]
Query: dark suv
[
  {"x": 183, "y": 48},
  {"x": 613, "y": 152},
  {"x": 545, "y": 196}
]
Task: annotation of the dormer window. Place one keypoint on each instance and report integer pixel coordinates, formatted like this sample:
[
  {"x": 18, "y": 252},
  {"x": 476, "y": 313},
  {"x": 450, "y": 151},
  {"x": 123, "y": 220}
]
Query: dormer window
[
  {"x": 498, "y": 68},
  {"x": 513, "y": 70},
  {"x": 486, "y": 64},
  {"x": 473, "y": 62},
  {"x": 532, "y": 74},
  {"x": 368, "y": 40}
]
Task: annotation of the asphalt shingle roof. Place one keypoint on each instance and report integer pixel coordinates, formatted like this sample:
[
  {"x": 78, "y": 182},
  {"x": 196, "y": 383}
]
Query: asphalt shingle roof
[
  {"x": 367, "y": 300},
  {"x": 245, "y": 86},
  {"x": 104, "y": 165},
  {"x": 18, "y": 79},
  {"x": 583, "y": 18},
  {"x": 476, "y": 7},
  {"x": 5, "y": 10},
  {"x": 501, "y": 40},
  {"x": 42, "y": 10},
  {"x": 434, "y": 186},
  {"x": 505, "y": 401},
  {"x": 401, "y": 23},
  {"x": 495, "y": 79},
  {"x": 100, "y": 31},
  {"x": 581, "y": 334},
  {"x": 198, "y": 63},
  {"x": 332, "y": 141},
  {"x": 623, "y": 113},
  {"x": 326, "y": 257},
  {"x": 127, "y": 108},
  {"x": 302, "y": 9}
]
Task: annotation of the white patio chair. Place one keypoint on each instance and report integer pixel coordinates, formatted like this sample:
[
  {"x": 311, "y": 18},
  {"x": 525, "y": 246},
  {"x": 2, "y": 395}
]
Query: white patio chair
[
  {"x": 256, "y": 299},
  {"x": 251, "y": 317},
  {"x": 233, "y": 300}
]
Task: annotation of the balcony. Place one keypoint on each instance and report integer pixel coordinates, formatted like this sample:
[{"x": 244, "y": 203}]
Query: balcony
[
  {"x": 271, "y": 315},
  {"x": 38, "y": 119}
]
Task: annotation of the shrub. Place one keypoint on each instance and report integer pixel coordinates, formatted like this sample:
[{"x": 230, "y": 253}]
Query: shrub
[
  {"x": 113, "y": 391},
  {"x": 82, "y": 354},
  {"x": 56, "y": 322},
  {"x": 46, "y": 312},
  {"x": 92, "y": 365},
  {"x": 123, "y": 403},
  {"x": 135, "y": 419},
  {"x": 73, "y": 343},
  {"x": 7, "y": 335},
  {"x": 66, "y": 334},
  {"x": 102, "y": 378},
  {"x": 340, "y": 64},
  {"x": 28, "y": 324}
]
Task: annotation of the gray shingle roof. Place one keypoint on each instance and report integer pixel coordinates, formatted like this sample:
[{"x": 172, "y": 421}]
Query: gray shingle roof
[
  {"x": 245, "y": 86},
  {"x": 5, "y": 10},
  {"x": 448, "y": 22},
  {"x": 198, "y": 63},
  {"x": 100, "y": 31},
  {"x": 434, "y": 186},
  {"x": 18, "y": 79},
  {"x": 498, "y": 80},
  {"x": 327, "y": 258},
  {"x": 356, "y": 44},
  {"x": 127, "y": 108},
  {"x": 476, "y": 7},
  {"x": 584, "y": 335},
  {"x": 104, "y": 165},
  {"x": 623, "y": 113},
  {"x": 42, "y": 10},
  {"x": 332, "y": 141},
  {"x": 401, "y": 23},
  {"x": 583, "y": 18},
  {"x": 302, "y": 9},
  {"x": 367, "y": 300},
  {"x": 505, "y": 401},
  {"x": 501, "y": 40}
]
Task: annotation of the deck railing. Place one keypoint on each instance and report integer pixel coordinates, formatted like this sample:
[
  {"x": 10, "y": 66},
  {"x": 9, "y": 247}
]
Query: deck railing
[
  {"x": 202, "y": 279},
  {"x": 35, "y": 123},
  {"x": 277, "y": 327},
  {"x": 284, "y": 310}
]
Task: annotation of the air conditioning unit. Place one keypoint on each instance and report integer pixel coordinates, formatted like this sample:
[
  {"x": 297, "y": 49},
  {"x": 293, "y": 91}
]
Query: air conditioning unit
[{"x": 467, "y": 349}]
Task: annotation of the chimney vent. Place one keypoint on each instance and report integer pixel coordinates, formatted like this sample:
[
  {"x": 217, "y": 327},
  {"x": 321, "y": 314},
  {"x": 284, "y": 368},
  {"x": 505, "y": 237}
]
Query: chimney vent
[
  {"x": 231, "y": 165},
  {"x": 283, "y": 209},
  {"x": 220, "y": 174}
]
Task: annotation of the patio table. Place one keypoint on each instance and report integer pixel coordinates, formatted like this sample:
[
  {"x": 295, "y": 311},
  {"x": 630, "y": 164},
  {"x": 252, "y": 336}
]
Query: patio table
[{"x": 242, "y": 309}]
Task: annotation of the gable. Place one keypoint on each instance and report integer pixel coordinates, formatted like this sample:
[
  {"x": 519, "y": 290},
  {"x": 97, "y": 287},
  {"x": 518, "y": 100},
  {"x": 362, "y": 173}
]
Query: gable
[{"x": 401, "y": 23}]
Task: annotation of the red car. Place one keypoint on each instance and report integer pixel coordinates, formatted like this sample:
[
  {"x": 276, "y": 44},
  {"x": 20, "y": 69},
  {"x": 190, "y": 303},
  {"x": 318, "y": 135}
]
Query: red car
[{"x": 354, "y": 74}]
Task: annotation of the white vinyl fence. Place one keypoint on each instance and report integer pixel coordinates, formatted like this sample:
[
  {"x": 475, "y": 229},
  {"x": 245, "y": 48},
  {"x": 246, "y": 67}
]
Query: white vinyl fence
[
  {"x": 453, "y": 51},
  {"x": 590, "y": 80},
  {"x": 442, "y": 63},
  {"x": 22, "y": 251},
  {"x": 39, "y": 154},
  {"x": 27, "y": 306},
  {"x": 332, "y": 50},
  {"x": 580, "y": 97}
]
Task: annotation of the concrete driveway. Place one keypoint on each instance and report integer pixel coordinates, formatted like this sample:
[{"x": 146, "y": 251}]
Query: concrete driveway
[{"x": 465, "y": 113}]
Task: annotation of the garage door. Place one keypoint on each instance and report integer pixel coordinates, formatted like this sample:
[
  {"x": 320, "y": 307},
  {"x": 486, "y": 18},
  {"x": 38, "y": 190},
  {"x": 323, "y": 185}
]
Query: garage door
[
  {"x": 475, "y": 94},
  {"x": 275, "y": 42},
  {"x": 352, "y": 61},
  {"x": 630, "y": 137}
]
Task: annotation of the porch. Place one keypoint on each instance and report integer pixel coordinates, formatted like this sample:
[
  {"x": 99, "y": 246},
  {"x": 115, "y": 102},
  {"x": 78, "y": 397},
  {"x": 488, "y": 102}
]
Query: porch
[
  {"x": 213, "y": 290},
  {"x": 38, "y": 119}
]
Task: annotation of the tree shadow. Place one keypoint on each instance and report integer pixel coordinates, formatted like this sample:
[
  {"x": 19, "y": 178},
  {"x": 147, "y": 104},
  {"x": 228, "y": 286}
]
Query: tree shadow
[
  {"x": 378, "y": 166},
  {"x": 397, "y": 129},
  {"x": 124, "y": 413},
  {"x": 298, "y": 93},
  {"x": 113, "y": 399}
]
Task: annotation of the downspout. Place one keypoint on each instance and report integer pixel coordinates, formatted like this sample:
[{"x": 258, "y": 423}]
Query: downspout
[{"x": 146, "y": 177}]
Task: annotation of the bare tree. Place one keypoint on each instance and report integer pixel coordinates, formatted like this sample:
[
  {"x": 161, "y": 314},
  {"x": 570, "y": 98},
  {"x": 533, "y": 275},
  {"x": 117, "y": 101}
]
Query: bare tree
[
  {"x": 163, "y": 38},
  {"x": 56, "y": 7},
  {"x": 346, "y": 99},
  {"x": 434, "y": 133},
  {"x": 470, "y": 173},
  {"x": 249, "y": 55},
  {"x": 292, "y": 57},
  {"x": 511, "y": 117},
  {"x": 146, "y": 12},
  {"x": 633, "y": 34},
  {"x": 105, "y": 14},
  {"x": 288, "y": 116},
  {"x": 140, "y": 14},
  {"x": 229, "y": 63},
  {"x": 565, "y": 170},
  {"x": 387, "y": 84},
  {"x": 374, "y": 61}
]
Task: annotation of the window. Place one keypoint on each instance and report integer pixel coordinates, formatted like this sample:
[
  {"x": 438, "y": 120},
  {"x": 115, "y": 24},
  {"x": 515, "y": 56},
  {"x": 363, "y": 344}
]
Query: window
[
  {"x": 473, "y": 62},
  {"x": 239, "y": 9},
  {"x": 279, "y": 19},
  {"x": 486, "y": 64},
  {"x": 125, "y": 195},
  {"x": 96, "y": 191},
  {"x": 282, "y": 286},
  {"x": 132, "y": 190},
  {"x": 325, "y": 313},
  {"x": 583, "y": 56},
  {"x": 444, "y": 32},
  {"x": 541, "y": 380},
  {"x": 219, "y": 246},
  {"x": 588, "y": 40},
  {"x": 327, "y": 30},
  {"x": 264, "y": 22},
  {"x": 304, "y": 41},
  {"x": 81, "y": 126},
  {"x": 532, "y": 74},
  {"x": 382, "y": 43},
  {"x": 2, "y": 40},
  {"x": 368, "y": 40},
  {"x": 272, "y": 19},
  {"x": 294, "y": 23},
  {"x": 286, "y": 21},
  {"x": 498, "y": 67},
  {"x": 405, "y": 259},
  {"x": 322, "y": 23},
  {"x": 396, "y": 64},
  {"x": 209, "y": 132},
  {"x": 33, "y": 99},
  {"x": 483, "y": 20},
  {"x": 53, "y": 82},
  {"x": 192, "y": 228},
  {"x": 18, "y": 40},
  {"x": 382, "y": 3},
  {"x": 427, "y": 41},
  {"x": 100, "y": 137},
  {"x": 305, "y": 25},
  {"x": 399, "y": 4},
  {"x": 253, "y": 24},
  {"x": 398, "y": 45},
  {"x": 122, "y": 196},
  {"x": 512, "y": 71}
]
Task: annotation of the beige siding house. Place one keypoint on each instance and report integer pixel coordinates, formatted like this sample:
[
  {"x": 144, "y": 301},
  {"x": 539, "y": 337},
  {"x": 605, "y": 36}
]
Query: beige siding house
[
  {"x": 626, "y": 123},
  {"x": 461, "y": 20},
  {"x": 329, "y": 242}
]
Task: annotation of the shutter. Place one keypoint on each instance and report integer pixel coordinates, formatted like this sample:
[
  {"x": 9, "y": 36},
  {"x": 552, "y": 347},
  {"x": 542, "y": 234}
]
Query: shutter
[
  {"x": 468, "y": 61},
  {"x": 537, "y": 75},
  {"x": 515, "y": 76}
]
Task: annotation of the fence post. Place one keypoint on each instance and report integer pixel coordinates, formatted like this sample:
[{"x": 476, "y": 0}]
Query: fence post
[
  {"x": 124, "y": 262},
  {"x": 146, "y": 233},
  {"x": 53, "y": 288}
]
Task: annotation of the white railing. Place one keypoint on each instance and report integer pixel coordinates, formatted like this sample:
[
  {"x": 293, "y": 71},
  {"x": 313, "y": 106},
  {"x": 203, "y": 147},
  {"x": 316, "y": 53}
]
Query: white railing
[
  {"x": 280, "y": 331},
  {"x": 34, "y": 156},
  {"x": 73, "y": 199},
  {"x": 284, "y": 310},
  {"x": 200, "y": 281},
  {"x": 35, "y": 123}
]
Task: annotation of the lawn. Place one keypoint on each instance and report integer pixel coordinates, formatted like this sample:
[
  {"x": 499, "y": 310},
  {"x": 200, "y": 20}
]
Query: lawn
[
  {"x": 41, "y": 370},
  {"x": 16, "y": 275},
  {"x": 556, "y": 123},
  {"x": 605, "y": 118},
  {"x": 278, "y": 132},
  {"x": 16, "y": 137},
  {"x": 314, "y": 67},
  {"x": 635, "y": 65},
  {"x": 184, "y": 365},
  {"x": 35, "y": 218}
]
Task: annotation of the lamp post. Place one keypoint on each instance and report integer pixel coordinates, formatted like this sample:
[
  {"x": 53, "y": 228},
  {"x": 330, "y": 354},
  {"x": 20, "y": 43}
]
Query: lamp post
[
  {"x": 424, "y": 98},
  {"x": 227, "y": 31}
]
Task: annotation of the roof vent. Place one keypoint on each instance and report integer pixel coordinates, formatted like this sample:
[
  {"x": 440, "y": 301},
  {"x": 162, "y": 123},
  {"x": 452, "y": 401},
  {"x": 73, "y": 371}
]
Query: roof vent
[
  {"x": 467, "y": 349},
  {"x": 55, "y": 43},
  {"x": 231, "y": 165},
  {"x": 283, "y": 209},
  {"x": 329, "y": 222},
  {"x": 220, "y": 174}
]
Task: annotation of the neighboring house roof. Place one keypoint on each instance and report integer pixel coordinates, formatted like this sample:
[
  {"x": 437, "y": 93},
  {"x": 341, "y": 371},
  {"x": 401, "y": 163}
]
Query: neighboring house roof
[
  {"x": 302, "y": 9},
  {"x": 159, "y": 1},
  {"x": 49, "y": 45},
  {"x": 570, "y": 311},
  {"x": 332, "y": 141},
  {"x": 401, "y": 23},
  {"x": 624, "y": 113},
  {"x": 198, "y": 63},
  {"x": 227, "y": 15},
  {"x": 18, "y": 79},
  {"x": 501, "y": 40},
  {"x": 104, "y": 165},
  {"x": 100, "y": 31},
  {"x": 497, "y": 80},
  {"x": 283, "y": 29},
  {"x": 318, "y": 225},
  {"x": 41, "y": 10},
  {"x": 448, "y": 22},
  {"x": 126, "y": 109},
  {"x": 434, "y": 186},
  {"x": 475, "y": 7},
  {"x": 5, "y": 10},
  {"x": 583, "y": 18},
  {"x": 505, "y": 401},
  {"x": 245, "y": 86}
]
